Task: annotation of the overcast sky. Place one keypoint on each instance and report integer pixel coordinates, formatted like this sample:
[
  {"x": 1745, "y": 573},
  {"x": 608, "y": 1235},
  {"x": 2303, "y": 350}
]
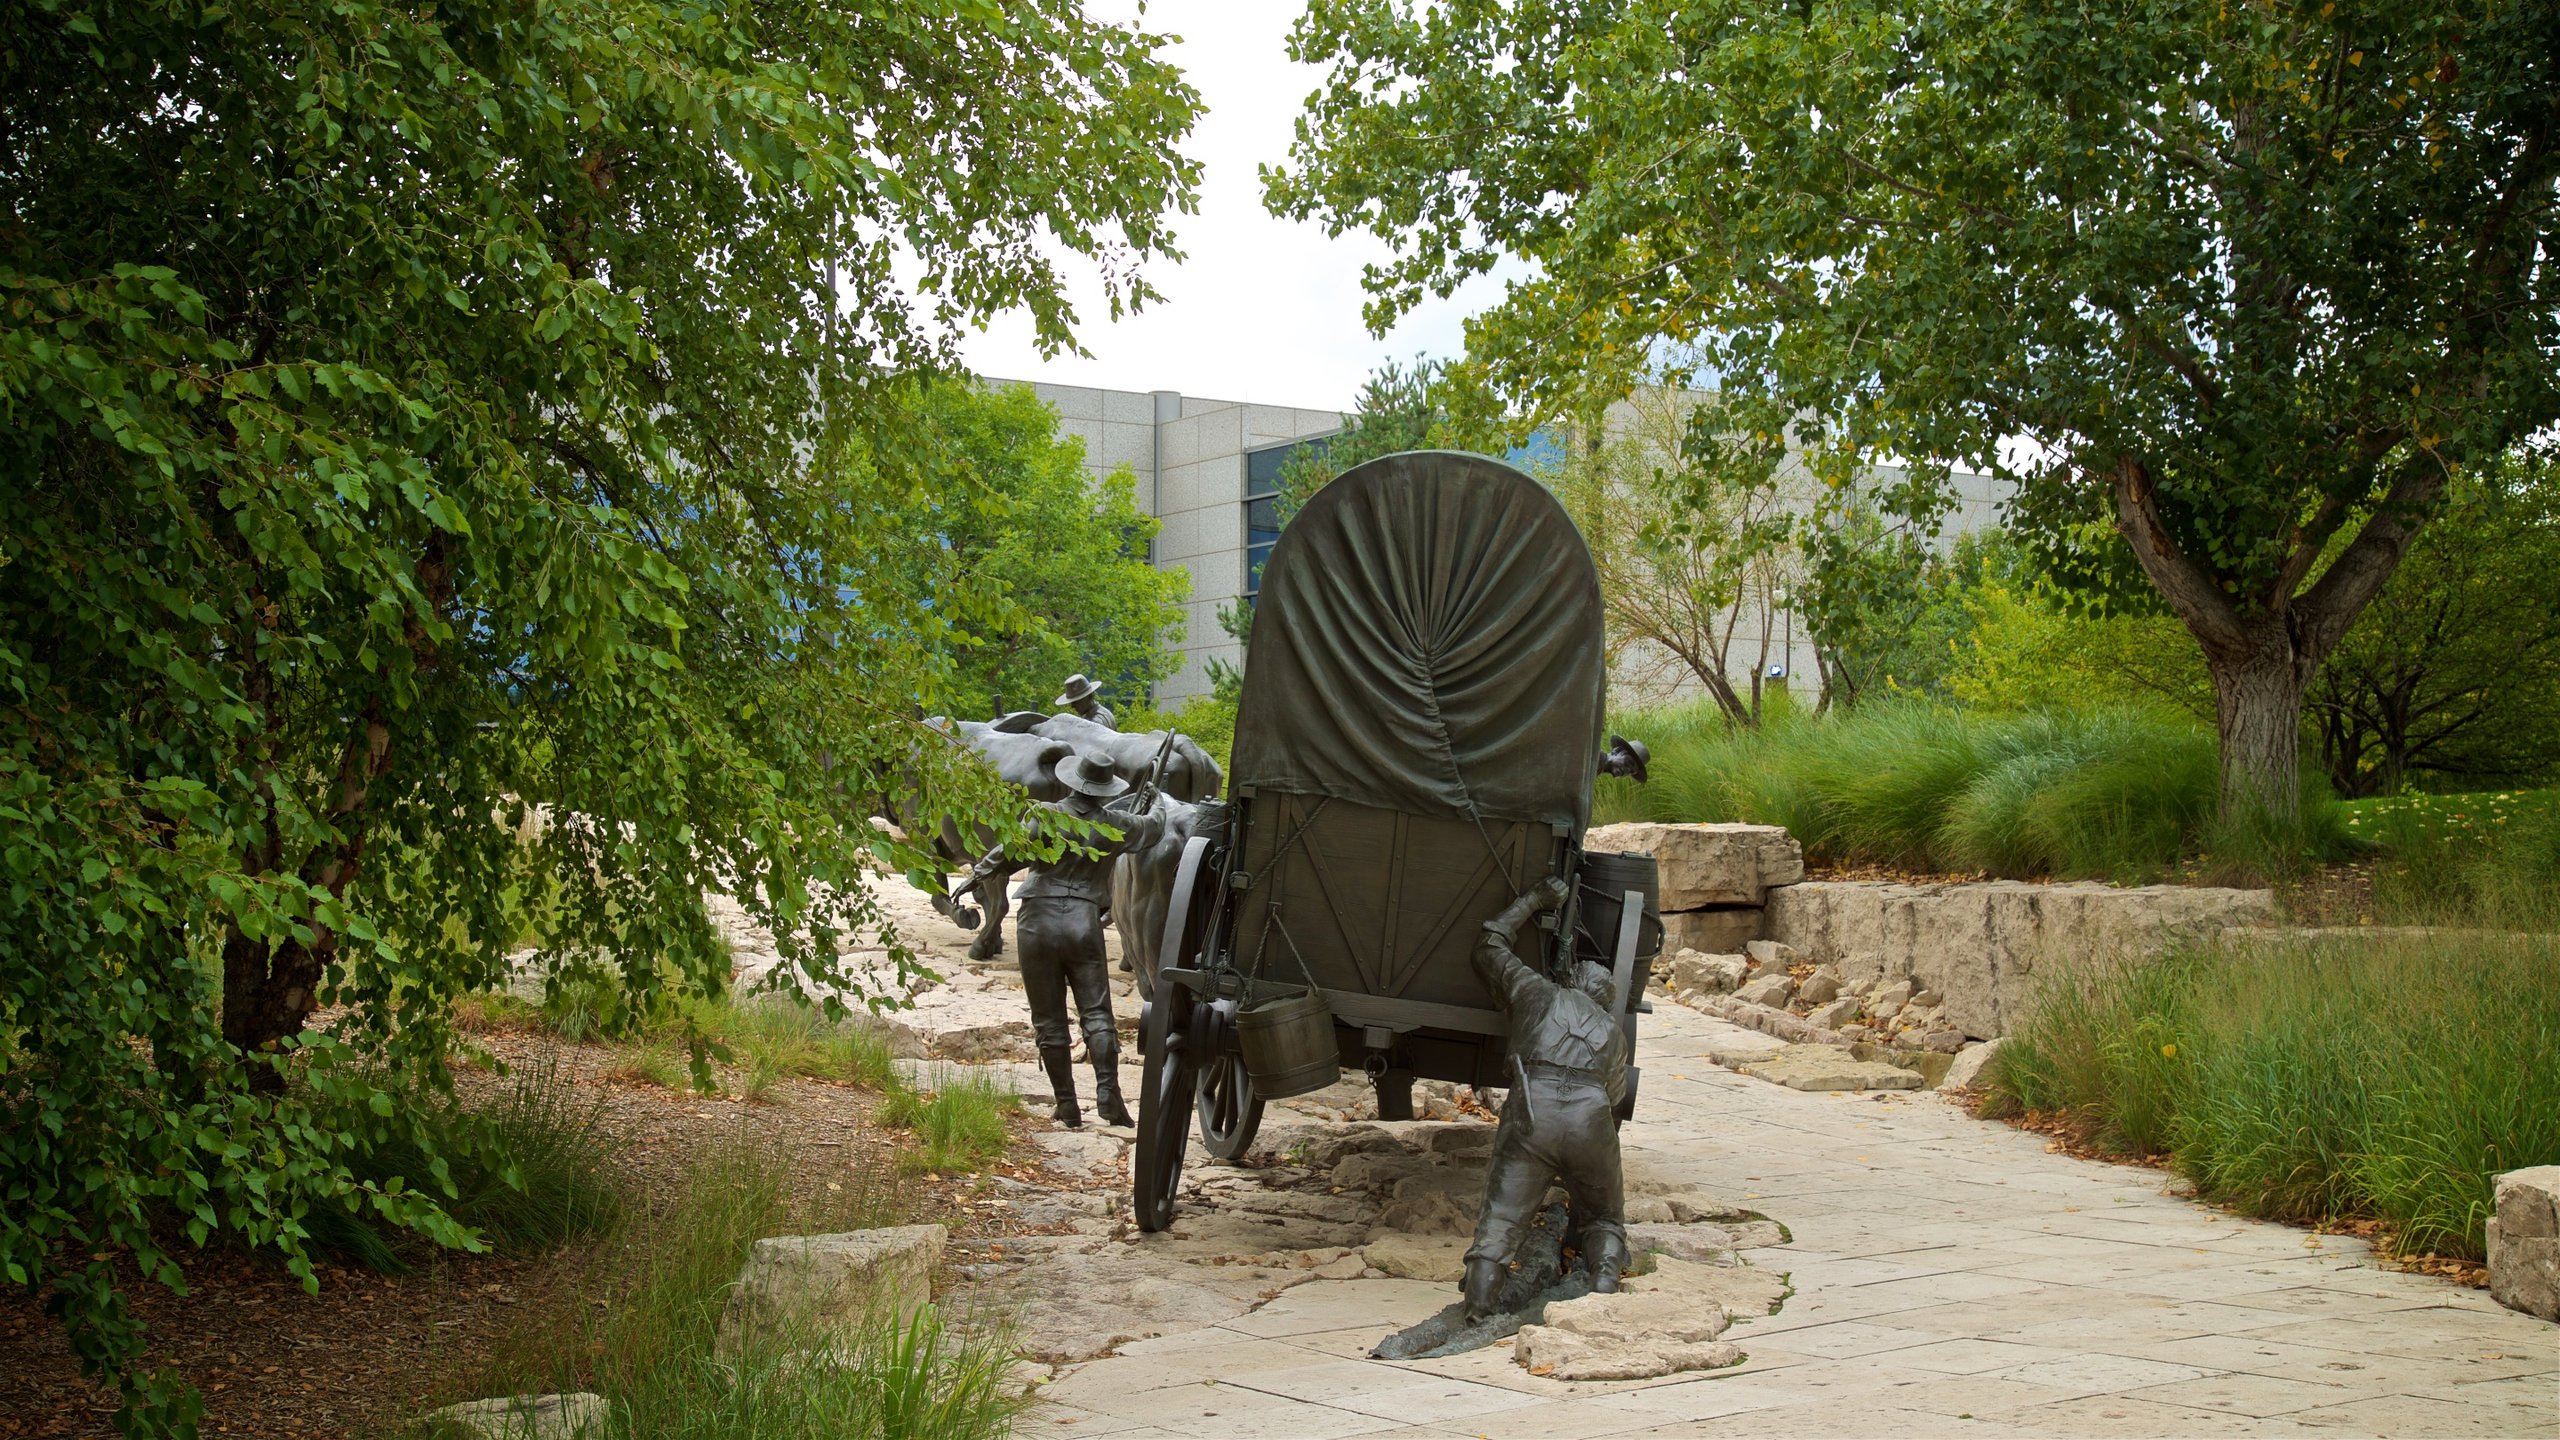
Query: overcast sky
[{"x": 1264, "y": 309}]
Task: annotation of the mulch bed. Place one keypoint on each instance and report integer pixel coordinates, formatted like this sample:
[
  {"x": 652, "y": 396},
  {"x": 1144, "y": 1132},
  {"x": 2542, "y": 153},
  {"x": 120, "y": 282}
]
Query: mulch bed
[{"x": 363, "y": 1355}]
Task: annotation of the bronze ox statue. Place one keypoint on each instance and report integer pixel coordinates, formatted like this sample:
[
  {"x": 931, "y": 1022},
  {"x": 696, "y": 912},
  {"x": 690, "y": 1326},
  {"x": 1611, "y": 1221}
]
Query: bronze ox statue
[{"x": 1024, "y": 749}]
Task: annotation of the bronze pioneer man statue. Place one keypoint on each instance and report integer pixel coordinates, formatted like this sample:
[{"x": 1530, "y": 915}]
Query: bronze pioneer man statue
[
  {"x": 1085, "y": 698},
  {"x": 1059, "y": 932},
  {"x": 1560, "y": 1122}
]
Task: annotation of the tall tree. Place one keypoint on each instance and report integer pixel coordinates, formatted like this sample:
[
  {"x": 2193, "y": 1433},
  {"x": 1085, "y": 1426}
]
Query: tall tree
[
  {"x": 414, "y": 415},
  {"x": 1067, "y": 558},
  {"x": 2453, "y": 676},
  {"x": 2246, "y": 282},
  {"x": 1682, "y": 499}
]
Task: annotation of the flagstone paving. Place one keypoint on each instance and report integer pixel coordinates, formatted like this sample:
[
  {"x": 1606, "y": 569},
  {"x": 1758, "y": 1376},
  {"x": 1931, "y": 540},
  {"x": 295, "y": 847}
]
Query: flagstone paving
[{"x": 1951, "y": 1277}]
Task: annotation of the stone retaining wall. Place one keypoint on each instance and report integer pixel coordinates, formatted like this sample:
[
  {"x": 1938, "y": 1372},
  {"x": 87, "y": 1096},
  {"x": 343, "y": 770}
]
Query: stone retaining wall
[
  {"x": 1978, "y": 944},
  {"x": 1724, "y": 886},
  {"x": 1714, "y": 878}
]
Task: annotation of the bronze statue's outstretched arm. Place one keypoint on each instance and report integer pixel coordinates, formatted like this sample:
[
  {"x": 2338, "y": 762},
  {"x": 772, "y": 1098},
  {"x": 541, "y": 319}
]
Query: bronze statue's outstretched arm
[{"x": 1498, "y": 963}]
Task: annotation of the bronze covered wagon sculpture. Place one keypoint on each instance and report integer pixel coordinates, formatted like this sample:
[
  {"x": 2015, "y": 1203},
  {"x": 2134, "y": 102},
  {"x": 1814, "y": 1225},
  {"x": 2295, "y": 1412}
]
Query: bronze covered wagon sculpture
[{"x": 1421, "y": 724}]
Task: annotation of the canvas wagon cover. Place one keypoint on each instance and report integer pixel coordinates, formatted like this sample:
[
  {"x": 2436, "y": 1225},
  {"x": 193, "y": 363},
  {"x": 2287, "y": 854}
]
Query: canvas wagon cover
[{"x": 1428, "y": 640}]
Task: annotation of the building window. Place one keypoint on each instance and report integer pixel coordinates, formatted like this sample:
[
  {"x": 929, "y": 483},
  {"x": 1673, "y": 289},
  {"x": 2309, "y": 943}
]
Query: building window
[{"x": 1262, "y": 505}]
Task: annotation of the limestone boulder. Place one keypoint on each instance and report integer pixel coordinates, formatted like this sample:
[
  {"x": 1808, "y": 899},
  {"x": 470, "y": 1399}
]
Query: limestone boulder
[
  {"x": 1380, "y": 1170},
  {"x": 1315, "y": 1206},
  {"x": 1819, "y": 988},
  {"x": 1439, "y": 1201},
  {"x": 1773, "y": 990},
  {"x": 1966, "y": 1070},
  {"x": 1227, "y": 1236},
  {"x": 1977, "y": 945},
  {"x": 824, "y": 1285},
  {"x": 1756, "y": 1235},
  {"x": 1688, "y": 1207},
  {"x": 1696, "y": 1244},
  {"x": 1441, "y": 1259},
  {"x": 1071, "y": 1307},
  {"x": 1694, "y": 971},
  {"x": 1457, "y": 1138},
  {"x": 1829, "y": 1067},
  {"x": 1720, "y": 931},
  {"x": 1646, "y": 1210},
  {"x": 1734, "y": 1289},
  {"x": 576, "y": 1416},
  {"x": 1835, "y": 1014},
  {"x": 1631, "y": 1335},
  {"x": 1703, "y": 865},
  {"x": 1771, "y": 954},
  {"x": 2524, "y": 1242},
  {"x": 1081, "y": 1150}
]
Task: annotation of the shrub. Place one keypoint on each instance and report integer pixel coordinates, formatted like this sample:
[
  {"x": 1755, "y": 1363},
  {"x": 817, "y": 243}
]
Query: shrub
[{"x": 2386, "y": 1075}]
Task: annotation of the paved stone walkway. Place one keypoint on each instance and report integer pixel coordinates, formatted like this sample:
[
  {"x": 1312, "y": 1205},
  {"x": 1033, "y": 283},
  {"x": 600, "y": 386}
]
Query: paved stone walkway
[{"x": 1951, "y": 1278}]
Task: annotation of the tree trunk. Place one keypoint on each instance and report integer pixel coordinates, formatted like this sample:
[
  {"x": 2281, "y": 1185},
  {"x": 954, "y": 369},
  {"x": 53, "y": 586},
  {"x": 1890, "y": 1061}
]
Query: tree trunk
[
  {"x": 267, "y": 995},
  {"x": 2257, "y": 691}
]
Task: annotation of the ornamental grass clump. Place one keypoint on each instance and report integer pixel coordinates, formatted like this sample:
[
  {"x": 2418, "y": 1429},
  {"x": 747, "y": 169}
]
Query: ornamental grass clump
[
  {"x": 529, "y": 1172},
  {"x": 2386, "y": 1075},
  {"x": 2120, "y": 793},
  {"x": 958, "y": 1120}
]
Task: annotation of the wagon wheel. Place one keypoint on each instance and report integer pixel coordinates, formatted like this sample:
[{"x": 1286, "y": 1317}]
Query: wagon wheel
[
  {"x": 1164, "y": 1109},
  {"x": 1230, "y": 1113},
  {"x": 1169, "y": 1036}
]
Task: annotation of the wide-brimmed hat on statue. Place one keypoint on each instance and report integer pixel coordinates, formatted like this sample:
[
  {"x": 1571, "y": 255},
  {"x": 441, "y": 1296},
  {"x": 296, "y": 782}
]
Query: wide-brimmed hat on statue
[
  {"x": 1090, "y": 772},
  {"x": 1078, "y": 691}
]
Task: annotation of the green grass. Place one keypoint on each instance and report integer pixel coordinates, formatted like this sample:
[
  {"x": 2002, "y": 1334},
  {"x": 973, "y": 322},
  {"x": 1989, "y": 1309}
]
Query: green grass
[
  {"x": 2123, "y": 794},
  {"x": 2385, "y": 1076},
  {"x": 958, "y": 1121},
  {"x": 767, "y": 1038},
  {"x": 640, "y": 1330},
  {"x": 528, "y": 1168},
  {"x": 2489, "y": 859}
]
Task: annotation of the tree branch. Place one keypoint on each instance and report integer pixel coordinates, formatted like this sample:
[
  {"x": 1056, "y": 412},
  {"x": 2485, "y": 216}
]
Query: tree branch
[
  {"x": 2325, "y": 610},
  {"x": 2186, "y": 585}
]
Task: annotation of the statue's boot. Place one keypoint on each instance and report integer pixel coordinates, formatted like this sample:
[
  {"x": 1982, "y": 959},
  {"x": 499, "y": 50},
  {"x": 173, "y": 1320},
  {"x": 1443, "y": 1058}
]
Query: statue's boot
[
  {"x": 1608, "y": 1262},
  {"x": 1483, "y": 1287},
  {"x": 1061, "y": 1065},
  {"x": 1106, "y": 1087}
]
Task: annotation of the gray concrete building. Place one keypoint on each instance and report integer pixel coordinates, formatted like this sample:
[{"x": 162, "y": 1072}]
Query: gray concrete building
[{"x": 1206, "y": 469}]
